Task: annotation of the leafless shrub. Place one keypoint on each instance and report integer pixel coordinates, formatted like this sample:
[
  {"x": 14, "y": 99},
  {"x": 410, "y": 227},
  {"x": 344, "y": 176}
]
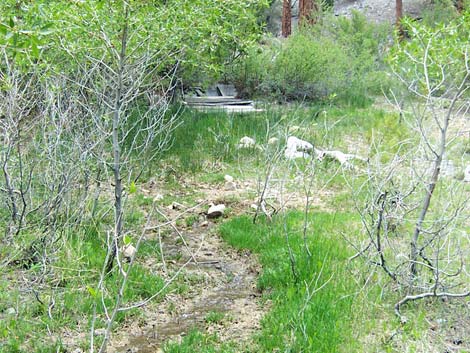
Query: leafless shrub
[{"x": 414, "y": 214}]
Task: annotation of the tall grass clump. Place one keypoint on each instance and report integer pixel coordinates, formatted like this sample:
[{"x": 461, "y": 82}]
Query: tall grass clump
[
  {"x": 213, "y": 136},
  {"x": 312, "y": 294}
]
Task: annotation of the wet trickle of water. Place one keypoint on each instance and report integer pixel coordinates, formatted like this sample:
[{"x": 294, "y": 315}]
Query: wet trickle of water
[{"x": 222, "y": 298}]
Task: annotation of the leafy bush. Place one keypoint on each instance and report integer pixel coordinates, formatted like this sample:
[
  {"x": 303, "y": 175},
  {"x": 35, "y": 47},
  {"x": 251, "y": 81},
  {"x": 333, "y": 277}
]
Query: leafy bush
[{"x": 336, "y": 59}]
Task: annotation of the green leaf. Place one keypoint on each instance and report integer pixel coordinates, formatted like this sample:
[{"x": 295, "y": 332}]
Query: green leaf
[
  {"x": 127, "y": 240},
  {"x": 132, "y": 188},
  {"x": 3, "y": 29},
  {"x": 92, "y": 291},
  {"x": 34, "y": 49}
]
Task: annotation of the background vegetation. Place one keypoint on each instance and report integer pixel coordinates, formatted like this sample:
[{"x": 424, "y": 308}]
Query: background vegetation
[{"x": 93, "y": 134}]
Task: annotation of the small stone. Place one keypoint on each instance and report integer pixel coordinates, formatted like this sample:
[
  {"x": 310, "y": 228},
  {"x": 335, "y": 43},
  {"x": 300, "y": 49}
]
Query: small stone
[
  {"x": 10, "y": 311},
  {"x": 176, "y": 206},
  {"x": 128, "y": 251},
  {"x": 204, "y": 224},
  {"x": 158, "y": 197},
  {"x": 254, "y": 206},
  {"x": 77, "y": 350},
  {"x": 457, "y": 341},
  {"x": 273, "y": 141},
  {"x": 216, "y": 211},
  {"x": 247, "y": 142},
  {"x": 294, "y": 128},
  {"x": 228, "y": 178},
  {"x": 447, "y": 168},
  {"x": 100, "y": 332},
  {"x": 230, "y": 186},
  {"x": 466, "y": 174}
]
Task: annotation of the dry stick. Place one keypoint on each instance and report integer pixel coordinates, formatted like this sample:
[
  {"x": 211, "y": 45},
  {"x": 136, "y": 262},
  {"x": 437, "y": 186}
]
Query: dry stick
[
  {"x": 426, "y": 295},
  {"x": 8, "y": 185},
  {"x": 289, "y": 248},
  {"x": 179, "y": 234},
  {"x": 161, "y": 250},
  {"x": 307, "y": 189},
  {"x": 116, "y": 148},
  {"x": 125, "y": 276},
  {"x": 100, "y": 284},
  {"x": 144, "y": 302},
  {"x": 176, "y": 217},
  {"x": 434, "y": 178},
  {"x": 378, "y": 243},
  {"x": 261, "y": 201}
]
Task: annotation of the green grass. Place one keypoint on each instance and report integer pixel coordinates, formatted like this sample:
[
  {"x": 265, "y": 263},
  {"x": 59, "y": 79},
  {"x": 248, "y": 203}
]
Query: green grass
[
  {"x": 214, "y": 317},
  {"x": 67, "y": 282},
  {"x": 206, "y": 139},
  {"x": 199, "y": 342},
  {"x": 296, "y": 323}
]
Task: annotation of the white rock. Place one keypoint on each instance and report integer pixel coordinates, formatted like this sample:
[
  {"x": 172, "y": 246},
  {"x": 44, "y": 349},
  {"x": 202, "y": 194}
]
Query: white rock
[
  {"x": 273, "y": 141},
  {"x": 297, "y": 144},
  {"x": 247, "y": 142},
  {"x": 177, "y": 206},
  {"x": 204, "y": 224},
  {"x": 289, "y": 154},
  {"x": 158, "y": 197},
  {"x": 341, "y": 157},
  {"x": 228, "y": 178},
  {"x": 294, "y": 128},
  {"x": 230, "y": 186},
  {"x": 128, "y": 251},
  {"x": 319, "y": 154},
  {"x": 254, "y": 206},
  {"x": 466, "y": 174},
  {"x": 216, "y": 211},
  {"x": 447, "y": 168},
  {"x": 100, "y": 332},
  {"x": 10, "y": 311},
  {"x": 297, "y": 148}
]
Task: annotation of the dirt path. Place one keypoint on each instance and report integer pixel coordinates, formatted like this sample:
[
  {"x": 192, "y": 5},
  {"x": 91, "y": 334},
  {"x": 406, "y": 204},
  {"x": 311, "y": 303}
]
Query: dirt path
[{"x": 219, "y": 293}]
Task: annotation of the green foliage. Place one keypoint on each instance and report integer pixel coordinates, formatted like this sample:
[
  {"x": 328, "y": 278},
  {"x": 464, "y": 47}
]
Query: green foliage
[
  {"x": 298, "y": 322},
  {"x": 214, "y": 317},
  {"x": 439, "y": 11},
  {"x": 337, "y": 60},
  {"x": 435, "y": 59},
  {"x": 200, "y": 37},
  {"x": 24, "y": 30},
  {"x": 198, "y": 342}
]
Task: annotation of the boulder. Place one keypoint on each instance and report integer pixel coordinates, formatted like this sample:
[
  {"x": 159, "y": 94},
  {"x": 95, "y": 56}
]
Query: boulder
[
  {"x": 215, "y": 211},
  {"x": 228, "y": 178}
]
